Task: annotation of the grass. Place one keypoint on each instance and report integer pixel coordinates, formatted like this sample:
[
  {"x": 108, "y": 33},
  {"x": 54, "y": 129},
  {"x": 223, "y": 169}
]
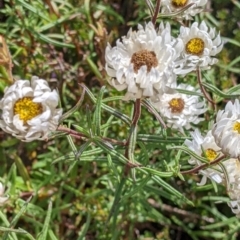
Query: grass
[{"x": 67, "y": 188}]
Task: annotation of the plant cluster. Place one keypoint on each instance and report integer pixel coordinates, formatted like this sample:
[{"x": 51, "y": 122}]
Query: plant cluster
[{"x": 111, "y": 160}]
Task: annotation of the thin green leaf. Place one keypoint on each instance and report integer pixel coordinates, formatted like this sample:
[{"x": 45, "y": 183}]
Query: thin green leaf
[
  {"x": 218, "y": 92},
  {"x": 52, "y": 41},
  {"x": 193, "y": 154},
  {"x": 31, "y": 8},
  {"x": 135, "y": 189},
  {"x": 75, "y": 108},
  {"x": 221, "y": 224},
  {"x": 157, "y": 173},
  {"x": 16, "y": 218},
  {"x": 112, "y": 111},
  {"x": 43, "y": 234},
  {"x": 94, "y": 68},
  {"x": 97, "y": 112},
  {"x": 21, "y": 168},
  {"x": 160, "y": 139},
  {"x": 82, "y": 233},
  {"x": 116, "y": 202}
]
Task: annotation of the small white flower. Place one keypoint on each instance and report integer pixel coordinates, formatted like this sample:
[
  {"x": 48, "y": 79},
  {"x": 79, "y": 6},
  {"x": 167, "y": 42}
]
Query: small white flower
[
  {"x": 2, "y": 198},
  {"x": 232, "y": 167},
  {"x": 142, "y": 63},
  {"x": 180, "y": 110},
  {"x": 172, "y": 6},
  {"x": 201, "y": 44},
  {"x": 227, "y": 129},
  {"x": 29, "y": 110},
  {"x": 235, "y": 206},
  {"x": 205, "y": 147}
]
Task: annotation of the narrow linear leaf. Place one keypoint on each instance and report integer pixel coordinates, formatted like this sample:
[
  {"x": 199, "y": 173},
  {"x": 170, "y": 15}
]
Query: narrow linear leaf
[
  {"x": 110, "y": 150},
  {"x": 32, "y": 9},
  {"x": 75, "y": 108},
  {"x": 83, "y": 232},
  {"x": 221, "y": 224},
  {"x": 52, "y": 41},
  {"x": 94, "y": 68},
  {"x": 97, "y": 113},
  {"x": 43, "y": 234},
  {"x": 21, "y": 168},
  {"x": 136, "y": 189},
  {"x": 16, "y": 218},
  {"x": 160, "y": 139},
  {"x": 116, "y": 202},
  {"x": 112, "y": 111},
  {"x": 157, "y": 173}
]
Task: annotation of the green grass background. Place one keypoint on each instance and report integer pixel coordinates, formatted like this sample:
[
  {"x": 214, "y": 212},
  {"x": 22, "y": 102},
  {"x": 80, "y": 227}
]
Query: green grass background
[{"x": 90, "y": 197}]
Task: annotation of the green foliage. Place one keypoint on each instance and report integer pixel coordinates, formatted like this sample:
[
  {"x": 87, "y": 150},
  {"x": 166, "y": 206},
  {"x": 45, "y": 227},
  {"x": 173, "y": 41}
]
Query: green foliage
[{"x": 91, "y": 187}]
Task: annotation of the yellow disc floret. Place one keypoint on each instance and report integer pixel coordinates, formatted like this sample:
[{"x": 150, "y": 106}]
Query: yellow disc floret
[
  {"x": 236, "y": 127},
  {"x": 144, "y": 58},
  {"x": 176, "y": 105},
  {"x": 27, "y": 109},
  {"x": 195, "y": 46},
  {"x": 179, "y": 3},
  {"x": 211, "y": 154}
]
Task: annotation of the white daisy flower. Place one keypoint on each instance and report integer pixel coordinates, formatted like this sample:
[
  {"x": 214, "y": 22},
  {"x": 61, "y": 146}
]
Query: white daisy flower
[
  {"x": 227, "y": 129},
  {"x": 142, "y": 63},
  {"x": 233, "y": 184},
  {"x": 3, "y": 198},
  {"x": 205, "y": 147},
  {"x": 235, "y": 206},
  {"x": 29, "y": 110},
  {"x": 172, "y": 6},
  {"x": 201, "y": 44},
  {"x": 180, "y": 110}
]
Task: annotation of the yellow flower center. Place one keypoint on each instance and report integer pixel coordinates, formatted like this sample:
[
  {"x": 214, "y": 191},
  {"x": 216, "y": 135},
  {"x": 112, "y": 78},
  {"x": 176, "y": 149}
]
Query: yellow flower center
[
  {"x": 176, "y": 105},
  {"x": 179, "y": 3},
  {"x": 236, "y": 127},
  {"x": 144, "y": 58},
  {"x": 27, "y": 109},
  {"x": 211, "y": 154},
  {"x": 195, "y": 46}
]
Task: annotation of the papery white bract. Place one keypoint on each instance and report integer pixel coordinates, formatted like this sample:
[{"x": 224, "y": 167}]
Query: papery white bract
[
  {"x": 205, "y": 147},
  {"x": 142, "y": 63},
  {"x": 201, "y": 44},
  {"x": 29, "y": 110},
  {"x": 181, "y": 110},
  {"x": 227, "y": 129},
  {"x": 232, "y": 183},
  {"x": 173, "y": 6},
  {"x": 3, "y": 198}
]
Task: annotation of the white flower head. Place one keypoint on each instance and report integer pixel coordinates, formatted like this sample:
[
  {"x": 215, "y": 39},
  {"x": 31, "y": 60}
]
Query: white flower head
[
  {"x": 172, "y": 6},
  {"x": 180, "y": 110},
  {"x": 201, "y": 44},
  {"x": 205, "y": 147},
  {"x": 235, "y": 206},
  {"x": 29, "y": 110},
  {"x": 227, "y": 129},
  {"x": 142, "y": 63},
  {"x": 232, "y": 167},
  {"x": 3, "y": 198}
]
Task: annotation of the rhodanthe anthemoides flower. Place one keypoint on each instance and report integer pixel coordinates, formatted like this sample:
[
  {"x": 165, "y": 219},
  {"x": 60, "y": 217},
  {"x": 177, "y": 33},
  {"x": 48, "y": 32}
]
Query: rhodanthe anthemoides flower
[
  {"x": 29, "y": 110},
  {"x": 173, "y": 6},
  {"x": 205, "y": 147},
  {"x": 229, "y": 177},
  {"x": 232, "y": 183},
  {"x": 227, "y": 129},
  {"x": 142, "y": 62},
  {"x": 3, "y": 198},
  {"x": 201, "y": 44},
  {"x": 181, "y": 110}
]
